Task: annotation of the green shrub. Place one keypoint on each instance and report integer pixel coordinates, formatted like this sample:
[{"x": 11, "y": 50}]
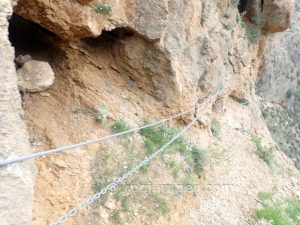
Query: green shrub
[
  {"x": 293, "y": 209},
  {"x": 265, "y": 196},
  {"x": 263, "y": 153},
  {"x": 145, "y": 168},
  {"x": 159, "y": 203},
  {"x": 104, "y": 9},
  {"x": 174, "y": 167},
  {"x": 101, "y": 114},
  {"x": 215, "y": 127},
  {"x": 278, "y": 211},
  {"x": 182, "y": 162},
  {"x": 272, "y": 213},
  {"x": 253, "y": 31},
  {"x": 125, "y": 203},
  {"x": 116, "y": 217},
  {"x": 157, "y": 137},
  {"x": 198, "y": 160},
  {"x": 120, "y": 126}
]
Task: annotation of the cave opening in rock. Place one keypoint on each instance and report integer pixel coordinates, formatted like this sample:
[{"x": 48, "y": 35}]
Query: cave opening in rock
[
  {"x": 29, "y": 38},
  {"x": 242, "y": 5},
  {"x": 251, "y": 10},
  {"x": 135, "y": 59},
  {"x": 126, "y": 51}
]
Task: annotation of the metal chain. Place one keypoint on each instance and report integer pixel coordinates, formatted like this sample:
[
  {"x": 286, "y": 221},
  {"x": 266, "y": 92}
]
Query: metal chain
[{"x": 114, "y": 184}]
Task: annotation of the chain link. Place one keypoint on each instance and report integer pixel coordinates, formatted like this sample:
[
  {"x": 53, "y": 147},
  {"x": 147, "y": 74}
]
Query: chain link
[{"x": 114, "y": 184}]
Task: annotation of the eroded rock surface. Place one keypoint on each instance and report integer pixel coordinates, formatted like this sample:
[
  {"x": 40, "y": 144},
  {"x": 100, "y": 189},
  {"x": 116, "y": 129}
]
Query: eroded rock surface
[
  {"x": 177, "y": 45},
  {"x": 279, "y": 87},
  {"x": 279, "y": 76},
  {"x": 277, "y": 15},
  {"x": 16, "y": 181},
  {"x": 185, "y": 50},
  {"x": 143, "y": 60}
]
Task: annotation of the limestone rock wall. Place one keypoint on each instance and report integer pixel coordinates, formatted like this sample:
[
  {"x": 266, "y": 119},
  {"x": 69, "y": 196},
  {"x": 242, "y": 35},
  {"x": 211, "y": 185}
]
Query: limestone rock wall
[
  {"x": 279, "y": 87},
  {"x": 184, "y": 48},
  {"x": 188, "y": 48},
  {"x": 279, "y": 76},
  {"x": 179, "y": 52},
  {"x": 277, "y": 15},
  {"x": 16, "y": 181}
]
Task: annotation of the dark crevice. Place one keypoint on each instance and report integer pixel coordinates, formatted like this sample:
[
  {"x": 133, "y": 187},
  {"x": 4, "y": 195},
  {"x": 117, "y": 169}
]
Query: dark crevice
[
  {"x": 129, "y": 54},
  {"x": 109, "y": 37},
  {"x": 242, "y": 6},
  {"x": 30, "y": 38},
  {"x": 251, "y": 10}
]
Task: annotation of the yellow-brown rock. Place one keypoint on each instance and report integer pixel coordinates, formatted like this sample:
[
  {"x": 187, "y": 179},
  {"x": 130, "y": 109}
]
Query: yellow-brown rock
[{"x": 277, "y": 15}]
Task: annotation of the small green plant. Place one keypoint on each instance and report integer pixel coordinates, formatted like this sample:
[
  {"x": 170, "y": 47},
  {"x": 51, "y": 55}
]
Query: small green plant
[
  {"x": 101, "y": 114},
  {"x": 278, "y": 211},
  {"x": 190, "y": 180},
  {"x": 157, "y": 137},
  {"x": 262, "y": 152},
  {"x": 120, "y": 126},
  {"x": 99, "y": 184},
  {"x": 159, "y": 203},
  {"x": 271, "y": 213},
  {"x": 127, "y": 143},
  {"x": 253, "y": 31},
  {"x": 104, "y": 8},
  {"x": 145, "y": 168},
  {"x": 182, "y": 162},
  {"x": 125, "y": 203},
  {"x": 198, "y": 160},
  {"x": 116, "y": 217},
  {"x": 174, "y": 167},
  {"x": 215, "y": 127},
  {"x": 293, "y": 209},
  {"x": 265, "y": 196}
]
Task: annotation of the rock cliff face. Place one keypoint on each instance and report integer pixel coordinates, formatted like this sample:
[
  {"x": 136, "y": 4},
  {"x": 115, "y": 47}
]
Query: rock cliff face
[
  {"x": 178, "y": 44},
  {"x": 279, "y": 77},
  {"x": 142, "y": 60},
  {"x": 279, "y": 87},
  {"x": 16, "y": 180}
]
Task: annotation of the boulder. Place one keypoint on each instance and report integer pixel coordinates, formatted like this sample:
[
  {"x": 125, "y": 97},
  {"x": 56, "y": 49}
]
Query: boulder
[
  {"x": 22, "y": 59},
  {"x": 35, "y": 76},
  {"x": 277, "y": 15}
]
